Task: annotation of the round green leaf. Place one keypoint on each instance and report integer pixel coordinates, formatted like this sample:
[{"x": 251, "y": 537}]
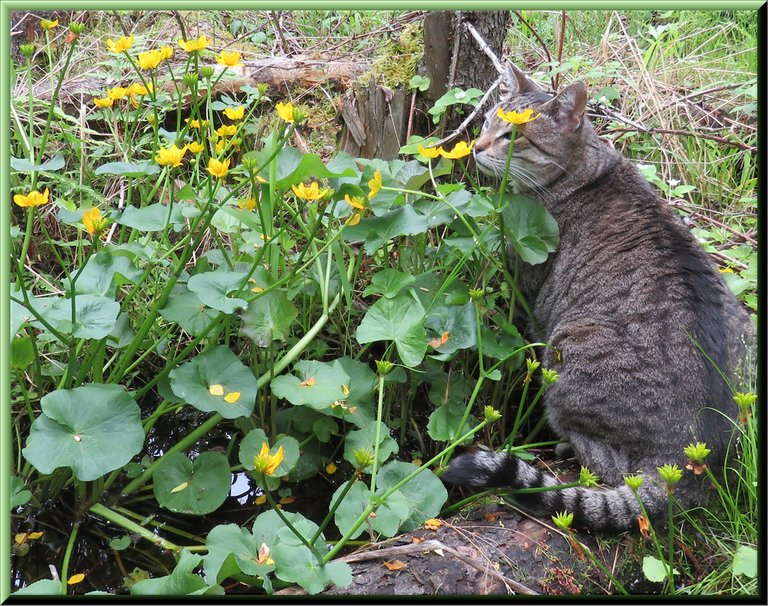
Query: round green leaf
[
  {"x": 41, "y": 587},
  {"x": 186, "y": 309},
  {"x": 315, "y": 384},
  {"x": 213, "y": 287},
  {"x": 377, "y": 231},
  {"x": 400, "y": 320},
  {"x": 182, "y": 581},
  {"x": 444, "y": 421},
  {"x": 388, "y": 518},
  {"x": 268, "y": 318},
  {"x": 219, "y": 366},
  {"x": 231, "y": 550},
  {"x": 153, "y": 217},
  {"x": 456, "y": 320},
  {"x": 104, "y": 272},
  {"x": 19, "y": 496},
  {"x": 128, "y": 169},
  {"x": 425, "y": 493},
  {"x": 388, "y": 282},
  {"x": 92, "y": 429},
  {"x": 95, "y": 316},
  {"x": 529, "y": 227},
  {"x": 195, "y": 488},
  {"x": 22, "y": 352}
]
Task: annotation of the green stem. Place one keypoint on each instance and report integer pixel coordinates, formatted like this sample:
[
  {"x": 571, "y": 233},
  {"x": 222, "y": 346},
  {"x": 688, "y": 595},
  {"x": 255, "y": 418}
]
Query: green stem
[
  {"x": 52, "y": 106},
  {"x": 67, "y": 556},
  {"x": 334, "y": 506},
  {"x": 116, "y": 518},
  {"x": 379, "y": 409}
]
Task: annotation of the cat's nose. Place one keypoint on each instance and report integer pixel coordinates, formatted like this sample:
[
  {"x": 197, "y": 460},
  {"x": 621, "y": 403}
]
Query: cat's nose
[{"x": 482, "y": 144}]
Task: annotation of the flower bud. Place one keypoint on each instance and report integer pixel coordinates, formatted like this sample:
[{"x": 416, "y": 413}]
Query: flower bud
[
  {"x": 384, "y": 367},
  {"x": 491, "y": 414},
  {"x": 207, "y": 71},
  {"x": 27, "y": 50}
]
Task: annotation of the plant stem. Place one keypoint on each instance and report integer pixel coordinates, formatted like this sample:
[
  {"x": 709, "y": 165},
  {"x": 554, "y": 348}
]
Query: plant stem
[
  {"x": 67, "y": 555},
  {"x": 116, "y": 518}
]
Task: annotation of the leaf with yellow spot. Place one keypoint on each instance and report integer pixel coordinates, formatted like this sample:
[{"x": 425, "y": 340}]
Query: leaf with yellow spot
[
  {"x": 216, "y": 390},
  {"x": 180, "y": 487}
]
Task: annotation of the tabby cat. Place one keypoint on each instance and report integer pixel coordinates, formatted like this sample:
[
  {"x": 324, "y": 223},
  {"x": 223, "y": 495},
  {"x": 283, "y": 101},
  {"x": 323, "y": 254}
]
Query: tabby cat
[{"x": 642, "y": 322}]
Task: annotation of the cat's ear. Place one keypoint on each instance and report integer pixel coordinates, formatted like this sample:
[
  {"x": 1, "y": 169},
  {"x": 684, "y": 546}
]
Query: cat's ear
[
  {"x": 514, "y": 82},
  {"x": 568, "y": 107}
]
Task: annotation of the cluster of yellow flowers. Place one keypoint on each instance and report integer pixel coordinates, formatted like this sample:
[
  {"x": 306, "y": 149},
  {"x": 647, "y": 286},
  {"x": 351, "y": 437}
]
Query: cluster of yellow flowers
[
  {"x": 151, "y": 59},
  {"x": 460, "y": 150},
  {"x": 117, "y": 93}
]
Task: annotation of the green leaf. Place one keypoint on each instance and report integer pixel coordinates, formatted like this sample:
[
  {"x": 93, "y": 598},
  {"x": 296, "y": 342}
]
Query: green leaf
[
  {"x": 195, "y": 488},
  {"x": 218, "y": 366},
  {"x": 92, "y": 429},
  {"x": 500, "y": 344},
  {"x": 745, "y": 561},
  {"x": 182, "y": 581},
  {"x": 530, "y": 228},
  {"x": 444, "y": 421},
  {"x": 104, "y": 272},
  {"x": 314, "y": 384},
  {"x": 251, "y": 446},
  {"x": 294, "y": 166},
  {"x": 419, "y": 82},
  {"x": 366, "y": 438},
  {"x": 153, "y": 217},
  {"x": 212, "y": 287},
  {"x": 400, "y": 320},
  {"x": 41, "y": 587},
  {"x": 456, "y": 320},
  {"x": 22, "y": 352},
  {"x": 95, "y": 316},
  {"x": 388, "y": 282},
  {"x": 25, "y": 166},
  {"x": 377, "y": 231},
  {"x": 120, "y": 543},
  {"x": 186, "y": 309},
  {"x": 232, "y": 549},
  {"x": 268, "y": 318},
  {"x": 425, "y": 493},
  {"x": 296, "y": 564},
  {"x": 389, "y": 515},
  {"x": 128, "y": 169},
  {"x": 19, "y": 496},
  {"x": 655, "y": 570}
]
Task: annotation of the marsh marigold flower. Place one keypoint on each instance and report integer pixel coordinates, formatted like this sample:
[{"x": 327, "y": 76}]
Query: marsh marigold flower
[
  {"x": 94, "y": 222},
  {"x": 103, "y": 102},
  {"x": 311, "y": 193},
  {"x": 195, "y": 147},
  {"x": 266, "y": 463},
  {"x": 228, "y": 59},
  {"x": 235, "y": 113},
  {"x": 33, "y": 198},
  {"x": 285, "y": 111},
  {"x": 218, "y": 168},
  {"x": 375, "y": 185},
  {"x": 226, "y": 130},
  {"x": 460, "y": 150},
  {"x": 122, "y": 44},
  {"x": 514, "y": 117},
  {"x": 429, "y": 152},
  {"x": 116, "y": 93},
  {"x": 172, "y": 155},
  {"x": 48, "y": 25},
  {"x": 137, "y": 88},
  {"x": 197, "y": 123},
  {"x": 192, "y": 46},
  {"x": 150, "y": 59}
]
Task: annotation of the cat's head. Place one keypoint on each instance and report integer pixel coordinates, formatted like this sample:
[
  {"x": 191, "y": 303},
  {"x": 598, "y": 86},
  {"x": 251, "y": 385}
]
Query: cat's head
[{"x": 544, "y": 147}]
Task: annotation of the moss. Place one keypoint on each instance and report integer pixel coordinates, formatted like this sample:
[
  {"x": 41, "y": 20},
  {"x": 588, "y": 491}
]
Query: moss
[{"x": 396, "y": 62}]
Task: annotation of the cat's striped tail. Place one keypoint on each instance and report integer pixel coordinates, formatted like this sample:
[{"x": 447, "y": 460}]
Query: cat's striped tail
[{"x": 598, "y": 509}]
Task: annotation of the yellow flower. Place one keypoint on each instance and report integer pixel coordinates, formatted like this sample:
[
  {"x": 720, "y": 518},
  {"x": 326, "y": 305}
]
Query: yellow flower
[
  {"x": 235, "y": 113},
  {"x": 172, "y": 155},
  {"x": 310, "y": 193},
  {"x": 226, "y": 130},
  {"x": 514, "y": 117},
  {"x": 48, "y": 25},
  {"x": 150, "y": 59},
  {"x": 221, "y": 146},
  {"x": 285, "y": 111},
  {"x": 94, "y": 222},
  {"x": 248, "y": 204},
  {"x": 217, "y": 168},
  {"x": 354, "y": 202},
  {"x": 105, "y": 102},
  {"x": 192, "y": 46},
  {"x": 195, "y": 147},
  {"x": 122, "y": 44},
  {"x": 375, "y": 185},
  {"x": 460, "y": 150},
  {"x": 33, "y": 198},
  {"x": 197, "y": 123},
  {"x": 228, "y": 59},
  {"x": 117, "y": 93},
  {"x": 137, "y": 88},
  {"x": 432, "y": 152},
  {"x": 166, "y": 52},
  {"x": 266, "y": 463}
]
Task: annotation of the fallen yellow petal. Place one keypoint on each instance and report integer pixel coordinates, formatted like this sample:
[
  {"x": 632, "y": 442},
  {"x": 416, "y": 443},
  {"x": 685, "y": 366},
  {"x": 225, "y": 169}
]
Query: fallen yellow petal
[
  {"x": 76, "y": 578},
  {"x": 180, "y": 487},
  {"x": 232, "y": 397},
  {"x": 216, "y": 390}
]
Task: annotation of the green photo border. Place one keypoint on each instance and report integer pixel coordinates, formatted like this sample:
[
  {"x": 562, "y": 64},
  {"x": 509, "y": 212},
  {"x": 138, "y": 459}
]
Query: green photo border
[{"x": 6, "y": 6}]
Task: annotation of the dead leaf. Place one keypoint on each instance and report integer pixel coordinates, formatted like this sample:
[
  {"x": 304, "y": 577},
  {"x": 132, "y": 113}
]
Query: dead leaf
[
  {"x": 433, "y": 524},
  {"x": 438, "y": 341},
  {"x": 288, "y": 500},
  {"x": 395, "y": 565},
  {"x": 263, "y": 557},
  {"x": 495, "y": 515},
  {"x": 417, "y": 539},
  {"x": 645, "y": 527}
]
